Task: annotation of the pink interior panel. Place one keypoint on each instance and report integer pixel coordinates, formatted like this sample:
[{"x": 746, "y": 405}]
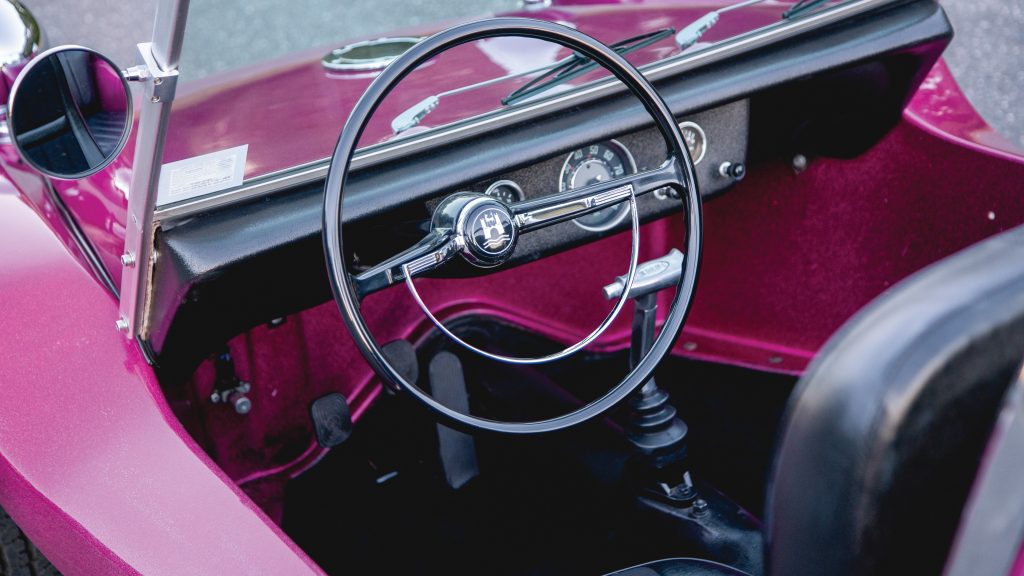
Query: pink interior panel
[{"x": 788, "y": 258}]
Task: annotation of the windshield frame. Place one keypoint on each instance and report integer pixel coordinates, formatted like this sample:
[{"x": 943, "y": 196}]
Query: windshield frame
[{"x": 161, "y": 57}]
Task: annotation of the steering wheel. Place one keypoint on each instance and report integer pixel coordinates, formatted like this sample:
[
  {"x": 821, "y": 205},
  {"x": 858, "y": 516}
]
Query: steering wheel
[{"x": 483, "y": 231}]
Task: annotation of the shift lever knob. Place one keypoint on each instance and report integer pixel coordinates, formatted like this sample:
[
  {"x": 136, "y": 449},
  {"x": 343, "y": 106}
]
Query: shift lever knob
[{"x": 650, "y": 277}]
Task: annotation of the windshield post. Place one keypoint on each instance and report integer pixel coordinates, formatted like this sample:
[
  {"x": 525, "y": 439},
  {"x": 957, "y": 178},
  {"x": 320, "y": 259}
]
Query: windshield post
[{"x": 160, "y": 59}]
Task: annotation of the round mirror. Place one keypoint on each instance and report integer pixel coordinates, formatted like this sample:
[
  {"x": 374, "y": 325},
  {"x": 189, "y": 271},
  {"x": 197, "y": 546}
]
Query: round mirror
[{"x": 70, "y": 112}]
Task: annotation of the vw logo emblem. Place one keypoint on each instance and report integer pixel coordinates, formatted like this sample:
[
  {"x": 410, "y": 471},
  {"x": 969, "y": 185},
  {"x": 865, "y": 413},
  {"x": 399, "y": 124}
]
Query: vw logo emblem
[{"x": 490, "y": 232}]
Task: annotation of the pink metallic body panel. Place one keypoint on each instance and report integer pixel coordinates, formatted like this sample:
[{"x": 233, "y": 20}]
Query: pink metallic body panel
[
  {"x": 93, "y": 464},
  {"x": 97, "y": 469}
]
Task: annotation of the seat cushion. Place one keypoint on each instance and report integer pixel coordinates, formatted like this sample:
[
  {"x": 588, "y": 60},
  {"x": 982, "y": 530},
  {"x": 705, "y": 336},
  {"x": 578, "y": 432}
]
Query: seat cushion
[{"x": 680, "y": 567}]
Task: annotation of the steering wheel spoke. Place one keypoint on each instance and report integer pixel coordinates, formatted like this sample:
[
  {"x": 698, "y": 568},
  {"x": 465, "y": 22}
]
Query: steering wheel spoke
[
  {"x": 428, "y": 254},
  {"x": 554, "y": 208}
]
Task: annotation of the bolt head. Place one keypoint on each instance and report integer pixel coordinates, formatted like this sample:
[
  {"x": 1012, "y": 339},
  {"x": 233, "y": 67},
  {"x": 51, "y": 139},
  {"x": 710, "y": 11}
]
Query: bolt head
[
  {"x": 128, "y": 259},
  {"x": 122, "y": 325},
  {"x": 242, "y": 405},
  {"x": 799, "y": 163}
]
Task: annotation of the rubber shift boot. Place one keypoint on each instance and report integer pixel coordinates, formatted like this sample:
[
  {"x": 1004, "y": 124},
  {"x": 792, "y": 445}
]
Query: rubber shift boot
[{"x": 457, "y": 449}]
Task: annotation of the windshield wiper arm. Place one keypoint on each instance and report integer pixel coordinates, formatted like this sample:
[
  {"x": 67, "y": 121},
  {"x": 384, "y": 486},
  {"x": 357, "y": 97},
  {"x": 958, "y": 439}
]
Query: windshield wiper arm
[
  {"x": 414, "y": 114},
  {"x": 566, "y": 66},
  {"x": 691, "y": 34},
  {"x": 688, "y": 36},
  {"x": 578, "y": 65}
]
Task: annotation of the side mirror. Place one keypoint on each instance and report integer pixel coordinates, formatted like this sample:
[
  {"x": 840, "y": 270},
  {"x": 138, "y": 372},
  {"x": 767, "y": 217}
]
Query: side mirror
[{"x": 70, "y": 112}]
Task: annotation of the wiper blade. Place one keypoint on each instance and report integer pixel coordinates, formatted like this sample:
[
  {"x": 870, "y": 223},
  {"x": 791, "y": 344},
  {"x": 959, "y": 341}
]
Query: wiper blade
[{"x": 578, "y": 65}]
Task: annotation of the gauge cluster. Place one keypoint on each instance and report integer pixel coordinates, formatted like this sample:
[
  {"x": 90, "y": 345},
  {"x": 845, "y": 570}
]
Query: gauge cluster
[
  {"x": 506, "y": 190},
  {"x": 716, "y": 140},
  {"x": 593, "y": 164}
]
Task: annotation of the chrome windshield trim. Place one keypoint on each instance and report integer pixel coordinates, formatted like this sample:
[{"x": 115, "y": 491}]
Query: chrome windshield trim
[
  {"x": 160, "y": 59},
  {"x": 379, "y": 153}
]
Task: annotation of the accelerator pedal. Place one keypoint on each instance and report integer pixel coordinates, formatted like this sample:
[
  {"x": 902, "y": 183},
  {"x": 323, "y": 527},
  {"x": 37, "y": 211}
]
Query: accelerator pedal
[
  {"x": 402, "y": 356},
  {"x": 457, "y": 449}
]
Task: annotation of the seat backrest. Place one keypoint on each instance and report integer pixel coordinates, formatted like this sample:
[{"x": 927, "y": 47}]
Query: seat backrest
[{"x": 884, "y": 433}]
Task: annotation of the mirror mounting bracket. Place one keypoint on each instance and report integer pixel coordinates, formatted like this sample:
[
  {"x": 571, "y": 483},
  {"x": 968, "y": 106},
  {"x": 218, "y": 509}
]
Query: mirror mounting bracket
[{"x": 160, "y": 83}]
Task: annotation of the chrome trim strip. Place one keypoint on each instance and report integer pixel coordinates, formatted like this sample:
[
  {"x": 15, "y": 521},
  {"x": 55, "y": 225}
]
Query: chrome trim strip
[
  {"x": 372, "y": 155},
  {"x": 545, "y": 216}
]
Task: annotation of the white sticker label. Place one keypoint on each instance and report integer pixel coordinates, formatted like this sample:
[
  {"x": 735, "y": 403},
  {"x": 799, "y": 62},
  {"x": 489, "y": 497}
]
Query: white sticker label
[{"x": 201, "y": 175}]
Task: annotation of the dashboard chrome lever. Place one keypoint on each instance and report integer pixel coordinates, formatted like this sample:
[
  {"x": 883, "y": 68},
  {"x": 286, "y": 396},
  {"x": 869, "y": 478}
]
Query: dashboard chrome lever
[{"x": 651, "y": 276}]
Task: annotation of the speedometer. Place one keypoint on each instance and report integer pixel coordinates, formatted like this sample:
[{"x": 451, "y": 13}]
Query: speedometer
[{"x": 593, "y": 164}]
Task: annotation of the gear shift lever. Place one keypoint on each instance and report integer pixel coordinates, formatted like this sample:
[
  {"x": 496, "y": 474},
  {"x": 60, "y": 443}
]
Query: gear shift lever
[
  {"x": 653, "y": 427},
  {"x": 708, "y": 521}
]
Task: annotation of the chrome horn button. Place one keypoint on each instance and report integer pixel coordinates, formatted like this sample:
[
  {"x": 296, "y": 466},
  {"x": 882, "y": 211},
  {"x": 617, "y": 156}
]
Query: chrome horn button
[{"x": 489, "y": 232}]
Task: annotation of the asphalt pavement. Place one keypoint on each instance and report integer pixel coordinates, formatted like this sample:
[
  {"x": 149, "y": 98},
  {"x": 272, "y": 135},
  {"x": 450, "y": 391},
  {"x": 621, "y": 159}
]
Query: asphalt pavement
[{"x": 986, "y": 56}]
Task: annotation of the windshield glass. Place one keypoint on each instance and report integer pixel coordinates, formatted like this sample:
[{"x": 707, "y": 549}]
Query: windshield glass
[{"x": 266, "y": 85}]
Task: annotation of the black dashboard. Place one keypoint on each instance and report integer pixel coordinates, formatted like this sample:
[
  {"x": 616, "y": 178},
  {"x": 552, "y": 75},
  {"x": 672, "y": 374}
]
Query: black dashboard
[
  {"x": 717, "y": 141},
  {"x": 241, "y": 265}
]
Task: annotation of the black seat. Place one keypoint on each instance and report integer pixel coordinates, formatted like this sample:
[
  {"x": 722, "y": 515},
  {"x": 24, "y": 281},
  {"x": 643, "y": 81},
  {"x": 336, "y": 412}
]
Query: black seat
[
  {"x": 885, "y": 432},
  {"x": 886, "y": 429}
]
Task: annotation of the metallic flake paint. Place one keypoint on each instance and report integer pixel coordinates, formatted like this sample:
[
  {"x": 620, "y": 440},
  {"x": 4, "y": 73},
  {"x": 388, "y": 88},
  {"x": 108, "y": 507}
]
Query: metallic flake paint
[{"x": 93, "y": 464}]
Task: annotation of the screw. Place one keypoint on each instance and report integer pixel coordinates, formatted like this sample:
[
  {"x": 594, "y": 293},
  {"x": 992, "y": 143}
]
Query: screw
[
  {"x": 154, "y": 99},
  {"x": 158, "y": 81},
  {"x": 128, "y": 259},
  {"x": 122, "y": 325},
  {"x": 700, "y": 507}
]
